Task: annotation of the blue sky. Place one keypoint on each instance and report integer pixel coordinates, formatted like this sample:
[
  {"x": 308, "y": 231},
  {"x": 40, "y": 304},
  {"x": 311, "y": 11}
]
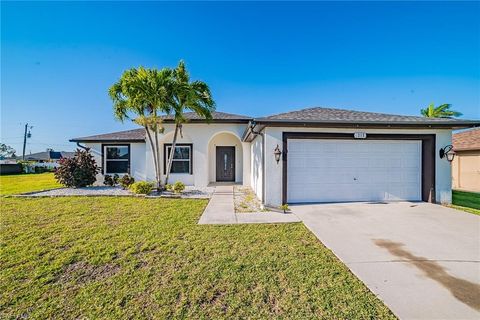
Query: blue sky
[{"x": 59, "y": 59}]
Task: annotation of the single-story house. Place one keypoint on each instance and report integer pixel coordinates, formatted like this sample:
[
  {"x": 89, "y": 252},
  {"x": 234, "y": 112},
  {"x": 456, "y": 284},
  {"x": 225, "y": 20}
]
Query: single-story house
[
  {"x": 466, "y": 164},
  {"x": 309, "y": 155},
  {"x": 47, "y": 156}
]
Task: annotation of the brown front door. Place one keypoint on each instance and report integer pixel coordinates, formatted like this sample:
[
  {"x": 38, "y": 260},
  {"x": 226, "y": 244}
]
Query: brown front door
[{"x": 225, "y": 164}]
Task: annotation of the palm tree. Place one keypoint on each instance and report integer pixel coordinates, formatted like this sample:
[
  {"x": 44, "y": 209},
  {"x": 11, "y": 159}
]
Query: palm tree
[
  {"x": 186, "y": 95},
  {"x": 442, "y": 111},
  {"x": 140, "y": 95}
]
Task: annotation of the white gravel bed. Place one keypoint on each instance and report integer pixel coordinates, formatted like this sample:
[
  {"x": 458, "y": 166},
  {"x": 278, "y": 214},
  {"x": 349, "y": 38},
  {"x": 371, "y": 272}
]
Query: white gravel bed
[
  {"x": 86, "y": 191},
  {"x": 189, "y": 192},
  {"x": 198, "y": 193}
]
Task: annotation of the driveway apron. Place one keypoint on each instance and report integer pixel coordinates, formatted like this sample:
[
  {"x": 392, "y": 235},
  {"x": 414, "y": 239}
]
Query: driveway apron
[{"x": 421, "y": 259}]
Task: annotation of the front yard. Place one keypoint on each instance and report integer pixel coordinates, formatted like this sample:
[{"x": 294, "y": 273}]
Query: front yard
[
  {"x": 147, "y": 258},
  {"x": 21, "y": 183},
  {"x": 466, "y": 201}
]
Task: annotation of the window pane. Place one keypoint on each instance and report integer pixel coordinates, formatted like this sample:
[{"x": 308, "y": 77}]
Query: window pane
[
  {"x": 117, "y": 153},
  {"x": 117, "y": 167},
  {"x": 180, "y": 153},
  {"x": 180, "y": 167}
]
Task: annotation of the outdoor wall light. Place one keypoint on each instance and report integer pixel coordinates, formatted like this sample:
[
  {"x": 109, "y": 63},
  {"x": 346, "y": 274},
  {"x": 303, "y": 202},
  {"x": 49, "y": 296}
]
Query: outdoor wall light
[
  {"x": 277, "y": 152},
  {"x": 447, "y": 152}
]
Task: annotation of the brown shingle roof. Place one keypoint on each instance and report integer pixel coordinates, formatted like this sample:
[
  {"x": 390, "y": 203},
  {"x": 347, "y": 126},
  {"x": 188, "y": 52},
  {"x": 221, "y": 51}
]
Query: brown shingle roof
[
  {"x": 48, "y": 155},
  {"x": 129, "y": 135},
  {"x": 466, "y": 140},
  {"x": 139, "y": 134},
  {"x": 319, "y": 114},
  {"x": 216, "y": 115}
]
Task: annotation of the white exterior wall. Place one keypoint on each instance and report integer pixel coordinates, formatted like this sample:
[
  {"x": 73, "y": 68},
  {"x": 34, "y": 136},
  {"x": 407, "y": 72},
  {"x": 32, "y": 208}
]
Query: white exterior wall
[
  {"x": 137, "y": 159},
  {"x": 256, "y": 178},
  {"x": 273, "y": 173},
  {"x": 204, "y": 137}
]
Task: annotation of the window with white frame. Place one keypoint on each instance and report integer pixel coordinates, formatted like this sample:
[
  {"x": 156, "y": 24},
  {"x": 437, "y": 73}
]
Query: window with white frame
[
  {"x": 116, "y": 159},
  {"x": 182, "y": 158}
]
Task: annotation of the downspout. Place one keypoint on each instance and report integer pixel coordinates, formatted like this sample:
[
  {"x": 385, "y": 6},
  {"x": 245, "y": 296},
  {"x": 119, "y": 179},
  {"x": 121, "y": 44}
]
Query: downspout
[
  {"x": 83, "y": 147},
  {"x": 261, "y": 134}
]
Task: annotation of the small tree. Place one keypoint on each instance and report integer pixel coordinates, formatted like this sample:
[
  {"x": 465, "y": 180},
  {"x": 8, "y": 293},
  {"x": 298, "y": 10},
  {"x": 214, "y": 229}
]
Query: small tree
[
  {"x": 187, "y": 95},
  {"x": 442, "y": 111},
  {"x": 141, "y": 95},
  {"x": 6, "y": 151},
  {"x": 79, "y": 171}
]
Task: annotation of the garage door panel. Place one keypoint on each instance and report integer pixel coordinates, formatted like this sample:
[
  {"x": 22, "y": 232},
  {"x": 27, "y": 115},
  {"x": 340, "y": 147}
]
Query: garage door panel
[{"x": 353, "y": 170}]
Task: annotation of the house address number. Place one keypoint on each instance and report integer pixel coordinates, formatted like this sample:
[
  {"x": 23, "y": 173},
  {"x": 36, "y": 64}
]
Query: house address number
[{"x": 360, "y": 135}]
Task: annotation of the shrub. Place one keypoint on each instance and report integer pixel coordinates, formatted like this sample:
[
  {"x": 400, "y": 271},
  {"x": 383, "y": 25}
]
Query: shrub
[
  {"x": 178, "y": 187},
  {"x": 108, "y": 180},
  {"x": 285, "y": 207},
  {"x": 169, "y": 187},
  {"x": 40, "y": 169},
  {"x": 27, "y": 166},
  {"x": 141, "y": 187},
  {"x": 79, "y": 171},
  {"x": 126, "y": 181}
]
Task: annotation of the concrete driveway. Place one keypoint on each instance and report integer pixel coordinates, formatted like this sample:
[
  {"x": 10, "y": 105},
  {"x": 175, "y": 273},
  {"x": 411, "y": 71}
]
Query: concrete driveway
[{"x": 422, "y": 260}]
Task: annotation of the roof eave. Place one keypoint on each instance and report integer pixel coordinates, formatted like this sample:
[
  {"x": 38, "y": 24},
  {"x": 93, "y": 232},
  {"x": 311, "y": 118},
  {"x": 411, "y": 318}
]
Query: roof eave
[
  {"x": 239, "y": 121},
  {"x": 466, "y": 149},
  {"x": 387, "y": 124},
  {"x": 107, "y": 140}
]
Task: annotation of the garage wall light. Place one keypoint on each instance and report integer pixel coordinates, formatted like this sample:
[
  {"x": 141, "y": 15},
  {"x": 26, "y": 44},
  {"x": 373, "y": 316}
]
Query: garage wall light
[
  {"x": 447, "y": 152},
  {"x": 277, "y": 152}
]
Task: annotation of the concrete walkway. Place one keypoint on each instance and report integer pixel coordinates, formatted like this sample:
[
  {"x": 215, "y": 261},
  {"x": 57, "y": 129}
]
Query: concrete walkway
[
  {"x": 220, "y": 210},
  {"x": 421, "y": 259}
]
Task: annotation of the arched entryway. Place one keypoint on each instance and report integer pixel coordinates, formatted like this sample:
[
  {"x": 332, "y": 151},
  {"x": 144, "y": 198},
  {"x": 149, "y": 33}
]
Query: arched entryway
[{"x": 225, "y": 158}]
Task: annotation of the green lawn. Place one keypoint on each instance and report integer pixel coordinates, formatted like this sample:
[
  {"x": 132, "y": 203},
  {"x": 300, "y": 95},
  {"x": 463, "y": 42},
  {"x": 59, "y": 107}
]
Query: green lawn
[
  {"x": 147, "y": 258},
  {"x": 21, "y": 183},
  {"x": 467, "y": 201}
]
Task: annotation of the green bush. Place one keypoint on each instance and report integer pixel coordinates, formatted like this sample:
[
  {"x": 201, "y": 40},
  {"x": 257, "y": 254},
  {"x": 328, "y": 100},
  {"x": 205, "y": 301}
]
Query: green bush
[
  {"x": 108, "y": 180},
  {"x": 178, "y": 187},
  {"x": 79, "y": 171},
  {"x": 126, "y": 181},
  {"x": 141, "y": 187},
  {"x": 169, "y": 187}
]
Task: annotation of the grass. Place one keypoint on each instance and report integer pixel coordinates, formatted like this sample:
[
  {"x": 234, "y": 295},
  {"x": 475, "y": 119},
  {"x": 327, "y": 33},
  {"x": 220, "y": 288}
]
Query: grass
[
  {"x": 110, "y": 257},
  {"x": 466, "y": 201},
  {"x": 21, "y": 183}
]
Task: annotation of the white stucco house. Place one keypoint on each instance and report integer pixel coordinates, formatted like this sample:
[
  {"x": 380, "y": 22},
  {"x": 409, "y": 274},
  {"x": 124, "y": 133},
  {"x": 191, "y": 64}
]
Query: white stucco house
[{"x": 324, "y": 155}]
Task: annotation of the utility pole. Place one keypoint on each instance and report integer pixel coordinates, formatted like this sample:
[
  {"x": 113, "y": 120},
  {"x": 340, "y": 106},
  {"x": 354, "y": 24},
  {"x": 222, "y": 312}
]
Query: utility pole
[{"x": 25, "y": 136}]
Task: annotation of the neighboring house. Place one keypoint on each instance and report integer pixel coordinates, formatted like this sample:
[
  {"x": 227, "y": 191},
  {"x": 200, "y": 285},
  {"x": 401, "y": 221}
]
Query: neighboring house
[
  {"x": 47, "y": 156},
  {"x": 466, "y": 164},
  {"x": 46, "y": 159},
  {"x": 325, "y": 155}
]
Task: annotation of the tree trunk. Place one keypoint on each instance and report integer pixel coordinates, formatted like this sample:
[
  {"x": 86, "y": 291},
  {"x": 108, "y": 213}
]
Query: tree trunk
[
  {"x": 155, "y": 159},
  {"x": 157, "y": 151},
  {"x": 172, "y": 152}
]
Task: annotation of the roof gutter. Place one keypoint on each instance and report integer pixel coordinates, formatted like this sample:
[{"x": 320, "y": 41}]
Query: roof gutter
[
  {"x": 106, "y": 140},
  {"x": 83, "y": 147},
  {"x": 356, "y": 123},
  {"x": 212, "y": 121},
  {"x": 249, "y": 132}
]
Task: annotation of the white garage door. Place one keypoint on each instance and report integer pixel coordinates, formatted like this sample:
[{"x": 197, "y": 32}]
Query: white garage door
[{"x": 353, "y": 170}]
